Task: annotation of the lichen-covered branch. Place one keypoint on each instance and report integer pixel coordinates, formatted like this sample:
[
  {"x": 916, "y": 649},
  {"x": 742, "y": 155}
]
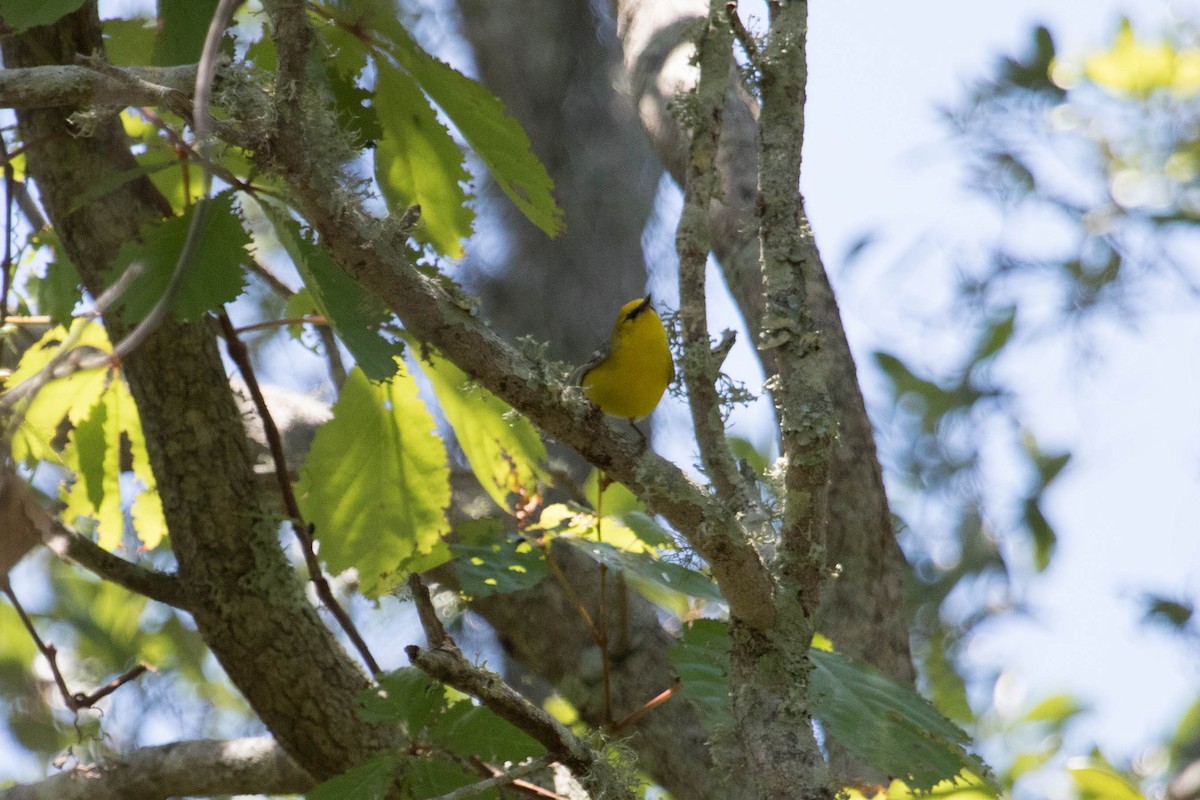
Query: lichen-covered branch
[
  {"x": 205, "y": 768},
  {"x": 70, "y": 85},
  {"x": 693, "y": 241}
]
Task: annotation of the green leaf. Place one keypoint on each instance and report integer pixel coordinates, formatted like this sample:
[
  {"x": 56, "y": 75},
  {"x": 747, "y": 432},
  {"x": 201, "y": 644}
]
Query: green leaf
[
  {"x": 406, "y": 697},
  {"x": 182, "y": 26},
  {"x": 647, "y": 567},
  {"x": 356, "y": 315},
  {"x": 93, "y": 452},
  {"x": 417, "y": 163},
  {"x": 998, "y": 332},
  {"x": 493, "y": 134},
  {"x": 1045, "y": 540},
  {"x": 213, "y": 276},
  {"x": 946, "y": 687},
  {"x": 71, "y": 397},
  {"x": 617, "y": 500},
  {"x": 21, "y": 15},
  {"x": 701, "y": 660},
  {"x": 355, "y": 115},
  {"x": 1056, "y": 710},
  {"x": 376, "y": 484},
  {"x": 504, "y": 451},
  {"x": 500, "y": 568},
  {"x": 468, "y": 728},
  {"x": 435, "y": 775},
  {"x": 127, "y": 41},
  {"x": 890, "y": 726},
  {"x": 369, "y": 781},
  {"x": 1097, "y": 780},
  {"x": 56, "y": 294}
]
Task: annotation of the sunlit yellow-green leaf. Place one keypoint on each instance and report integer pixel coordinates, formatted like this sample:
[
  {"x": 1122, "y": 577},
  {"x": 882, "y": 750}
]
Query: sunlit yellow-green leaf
[
  {"x": 69, "y": 397},
  {"x": 376, "y": 484},
  {"x": 1097, "y": 780},
  {"x": 418, "y": 163},
  {"x": 504, "y": 451}
]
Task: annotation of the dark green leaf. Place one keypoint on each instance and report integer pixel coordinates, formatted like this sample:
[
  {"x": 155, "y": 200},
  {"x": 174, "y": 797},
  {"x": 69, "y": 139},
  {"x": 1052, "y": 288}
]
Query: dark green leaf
[
  {"x": 998, "y": 332},
  {"x": 406, "y": 696},
  {"x": 369, "y": 781},
  {"x": 59, "y": 291},
  {"x": 182, "y": 26},
  {"x": 701, "y": 660},
  {"x": 485, "y": 570},
  {"x": 21, "y": 15},
  {"x": 356, "y": 314},
  {"x": 468, "y": 728},
  {"x": 213, "y": 275},
  {"x": 435, "y": 775},
  {"x": 376, "y": 484},
  {"x": 891, "y": 727},
  {"x": 1174, "y": 613},
  {"x": 356, "y": 116},
  {"x": 417, "y": 163},
  {"x": 128, "y": 41}
]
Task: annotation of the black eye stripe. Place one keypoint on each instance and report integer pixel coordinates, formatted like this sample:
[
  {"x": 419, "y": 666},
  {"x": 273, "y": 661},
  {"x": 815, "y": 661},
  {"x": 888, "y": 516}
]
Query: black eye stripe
[{"x": 642, "y": 306}]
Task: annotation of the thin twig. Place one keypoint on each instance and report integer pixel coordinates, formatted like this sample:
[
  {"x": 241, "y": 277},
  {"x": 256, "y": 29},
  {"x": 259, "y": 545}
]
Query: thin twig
[
  {"x": 7, "y": 263},
  {"x": 572, "y": 595},
  {"x": 605, "y": 668},
  {"x": 647, "y": 707},
  {"x": 241, "y": 358},
  {"x": 192, "y": 152},
  {"x": 503, "y": 779},
  {"x": 312, "y": 319},
  {"x": 446, "y": 663},
  {"x": 79, "y": 700}
]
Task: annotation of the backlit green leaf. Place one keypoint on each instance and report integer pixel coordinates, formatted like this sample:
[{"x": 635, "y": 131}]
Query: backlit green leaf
[
  {"x": 504, "y": 451},
  {"x": 376, "y": 484},
  {"x": 417, "y": 163},
  {"x": 494, "y": 135}
]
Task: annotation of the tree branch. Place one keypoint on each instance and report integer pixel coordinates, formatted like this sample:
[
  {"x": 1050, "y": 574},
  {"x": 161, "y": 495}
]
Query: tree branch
[
  {"x": 74, "y": 86},
  {"x": 201, "y": 768},
  {"x": 445, "y": 662},
  {"x": 24, "y": 523},
  {"x": 864, "y": 609},
  {"x": 693, "y": 240},
  {"x": 372, "y": 253}
]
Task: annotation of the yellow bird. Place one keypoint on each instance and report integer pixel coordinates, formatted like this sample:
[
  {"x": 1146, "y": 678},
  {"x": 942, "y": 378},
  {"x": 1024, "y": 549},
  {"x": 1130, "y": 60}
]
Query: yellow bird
[{"x": 627, "y": 376}]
